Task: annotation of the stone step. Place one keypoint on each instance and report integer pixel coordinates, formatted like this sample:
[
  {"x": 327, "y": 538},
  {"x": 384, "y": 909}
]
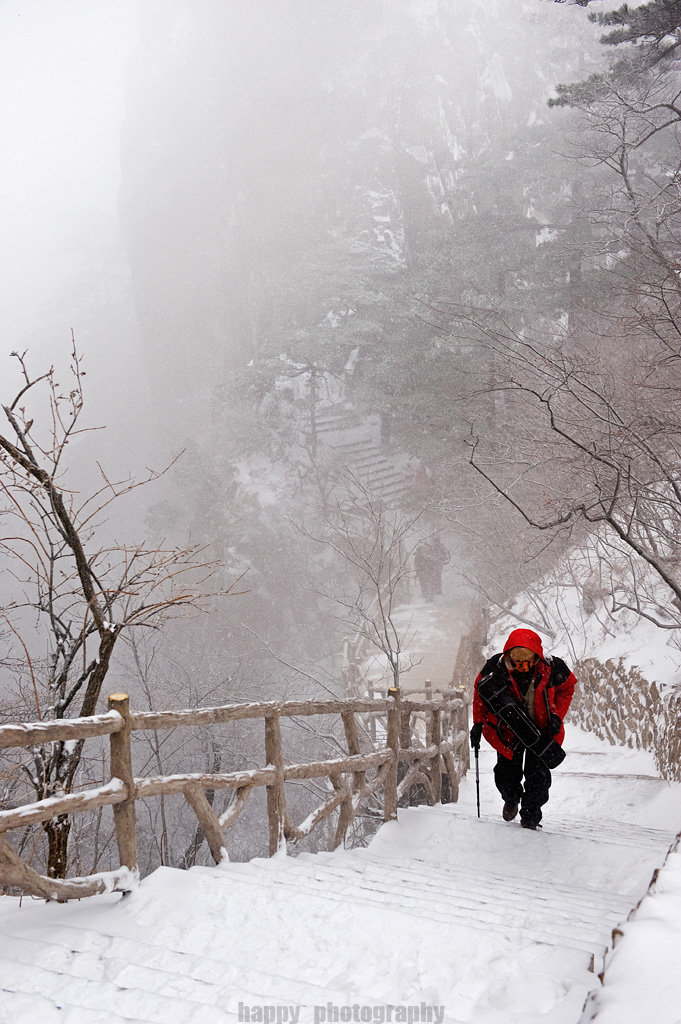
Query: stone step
[
  {"x": 609, "y": 831},
  {"x": 575, "y": 918},
  {"x": 81, "y": 956},
  {"x": 441, "y": 888},
  {"x": 358, "y": 447},
  {"x": 377, "y": 468},
  {"x": 336, "y": 424},
  {"x": 149, "y": 1002},
  {"x": 33, "y": 1006},
  {"x": 380, "y": 476},
  {"x": 470, "y": 913},
  {"x": 422, "y": 872},
  {"x": 366, "y": 457},
  {"x": 425, "y": 874},
  {"x": 371, "y": 465},
  {"x": 612, "y": 833}
]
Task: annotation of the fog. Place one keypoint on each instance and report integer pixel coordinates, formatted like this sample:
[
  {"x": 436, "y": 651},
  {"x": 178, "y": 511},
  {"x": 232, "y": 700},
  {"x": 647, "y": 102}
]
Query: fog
[
  {"x": 240, "y": 209},
  {"x": 334, "y": 255},
  {"x": 277, "y": 79},
  {"x": 61, "y": 104}
]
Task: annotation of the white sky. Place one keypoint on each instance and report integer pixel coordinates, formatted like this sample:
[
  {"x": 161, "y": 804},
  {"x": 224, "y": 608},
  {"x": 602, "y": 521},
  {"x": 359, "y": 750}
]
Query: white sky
[{"x": 61, "y": 105}]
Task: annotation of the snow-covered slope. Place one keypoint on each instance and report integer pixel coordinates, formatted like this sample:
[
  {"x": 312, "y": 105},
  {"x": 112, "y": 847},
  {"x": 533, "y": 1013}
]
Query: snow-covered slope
[
  {"x": 583, "y": 613},
  {"x": 642, "y": 972},
  {"x": 444, "y": 914}
]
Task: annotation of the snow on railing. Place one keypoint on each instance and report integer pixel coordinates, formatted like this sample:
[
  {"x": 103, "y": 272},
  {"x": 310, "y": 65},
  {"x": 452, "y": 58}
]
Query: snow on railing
[{"x": 398, "y": 767}]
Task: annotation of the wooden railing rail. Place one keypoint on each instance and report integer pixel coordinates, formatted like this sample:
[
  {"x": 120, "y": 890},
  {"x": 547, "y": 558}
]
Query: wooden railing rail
[
  {"x": 397, "y": 767},
  {"x": 33, "y": 734},
  {"x": 236, "y": 712}
]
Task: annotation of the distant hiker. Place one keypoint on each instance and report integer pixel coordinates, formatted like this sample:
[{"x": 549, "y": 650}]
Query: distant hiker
[
  {"x": 423, "y": 565},
  {"x": 545, "y": 685},
  {"x": 439, "y": 557}
]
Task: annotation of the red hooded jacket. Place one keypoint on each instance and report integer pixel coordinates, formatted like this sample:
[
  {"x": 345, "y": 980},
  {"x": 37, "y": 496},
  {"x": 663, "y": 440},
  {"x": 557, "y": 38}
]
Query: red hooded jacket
[{"x": 554, "y": 687}]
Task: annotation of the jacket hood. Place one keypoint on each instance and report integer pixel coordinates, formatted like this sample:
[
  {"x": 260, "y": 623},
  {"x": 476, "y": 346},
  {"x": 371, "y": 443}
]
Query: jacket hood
[{"x": 525, "y": 638}]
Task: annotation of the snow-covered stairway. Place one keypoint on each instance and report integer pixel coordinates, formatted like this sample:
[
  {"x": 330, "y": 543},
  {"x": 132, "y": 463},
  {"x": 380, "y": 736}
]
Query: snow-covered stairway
[
  {"x": 485, "y": 919},
  {"x": 356, "y": 444}
]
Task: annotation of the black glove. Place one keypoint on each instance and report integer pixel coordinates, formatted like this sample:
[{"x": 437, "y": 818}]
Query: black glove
[
  {"x": 553, "y": 725},
  {"x": 476, "y": 733}
]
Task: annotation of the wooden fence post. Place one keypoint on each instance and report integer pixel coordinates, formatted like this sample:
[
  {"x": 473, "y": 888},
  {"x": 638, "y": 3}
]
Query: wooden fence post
[
  {"x": 393, "y": 743},
  {"x": 121, "y": 768},
  {"x": 436, "y": 739},
  {"x": 352, "y": 740},
  {"x": 347, "y": 811},
  {"x": 461, "y": 725},
  {"x": 276, "y": 797}
]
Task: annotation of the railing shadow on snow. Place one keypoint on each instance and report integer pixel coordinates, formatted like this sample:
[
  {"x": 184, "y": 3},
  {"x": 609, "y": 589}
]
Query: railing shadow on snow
[{"x": 424, "y": 753}]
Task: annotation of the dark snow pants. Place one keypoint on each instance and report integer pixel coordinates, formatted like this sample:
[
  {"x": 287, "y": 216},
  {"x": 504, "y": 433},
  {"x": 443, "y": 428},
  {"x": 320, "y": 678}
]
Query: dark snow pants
[{"x": 508, "y": 776}]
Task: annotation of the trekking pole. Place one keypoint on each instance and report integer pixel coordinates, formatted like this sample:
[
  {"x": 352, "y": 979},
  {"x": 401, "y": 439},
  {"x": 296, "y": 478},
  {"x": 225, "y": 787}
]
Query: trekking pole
[{"x": 477, "y": 776}]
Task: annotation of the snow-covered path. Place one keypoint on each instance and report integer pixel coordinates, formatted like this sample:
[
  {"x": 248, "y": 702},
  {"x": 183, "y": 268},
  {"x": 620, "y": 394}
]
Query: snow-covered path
[{"x": 490, "y": 922}]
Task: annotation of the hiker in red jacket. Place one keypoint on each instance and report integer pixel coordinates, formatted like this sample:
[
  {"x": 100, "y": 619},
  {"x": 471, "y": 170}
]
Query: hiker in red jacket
[{"x": 545, "y": 685}]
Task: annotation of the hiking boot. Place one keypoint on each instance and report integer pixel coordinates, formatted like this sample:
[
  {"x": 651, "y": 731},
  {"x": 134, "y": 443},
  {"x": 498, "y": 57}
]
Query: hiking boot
[
  {"x": 509, "y": 811},
  {"x": 527, "y": 824}
]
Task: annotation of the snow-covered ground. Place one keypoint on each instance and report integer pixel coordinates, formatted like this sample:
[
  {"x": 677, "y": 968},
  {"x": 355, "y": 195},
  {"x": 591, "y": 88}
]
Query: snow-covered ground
[
  {"x": 556, "y": 608},
  {"x": 642, "y": 979},
  {"x": 430, "y": 635},
  {"x": 444, "y": 918}
]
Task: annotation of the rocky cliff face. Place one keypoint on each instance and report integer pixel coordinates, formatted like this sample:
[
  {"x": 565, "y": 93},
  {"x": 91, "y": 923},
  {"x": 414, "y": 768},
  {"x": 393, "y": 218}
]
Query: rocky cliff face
[
  {"x": 619, "y": 704},
  {"x": 289, "y": 161}
]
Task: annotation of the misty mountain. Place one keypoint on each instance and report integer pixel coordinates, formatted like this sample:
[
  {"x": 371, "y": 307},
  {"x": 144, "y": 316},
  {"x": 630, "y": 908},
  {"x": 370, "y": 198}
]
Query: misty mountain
[{"x": 285, "y": 163}]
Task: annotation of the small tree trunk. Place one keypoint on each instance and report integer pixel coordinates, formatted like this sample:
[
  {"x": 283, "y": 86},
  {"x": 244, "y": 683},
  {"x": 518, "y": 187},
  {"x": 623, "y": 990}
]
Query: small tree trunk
[{"x": 57, "y": 830}]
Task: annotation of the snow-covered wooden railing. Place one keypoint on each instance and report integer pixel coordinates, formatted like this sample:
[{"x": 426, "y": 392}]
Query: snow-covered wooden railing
[{"x": 442, "y": 755}]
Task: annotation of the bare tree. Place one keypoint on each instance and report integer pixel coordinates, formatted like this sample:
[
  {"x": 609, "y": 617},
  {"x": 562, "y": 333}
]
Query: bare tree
[
  {"x": 585, "y": 427},
  {"x": 376, "y": 544},
  {"x": 585, "y": 446},
  {"x": 74, "y": 594}
]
